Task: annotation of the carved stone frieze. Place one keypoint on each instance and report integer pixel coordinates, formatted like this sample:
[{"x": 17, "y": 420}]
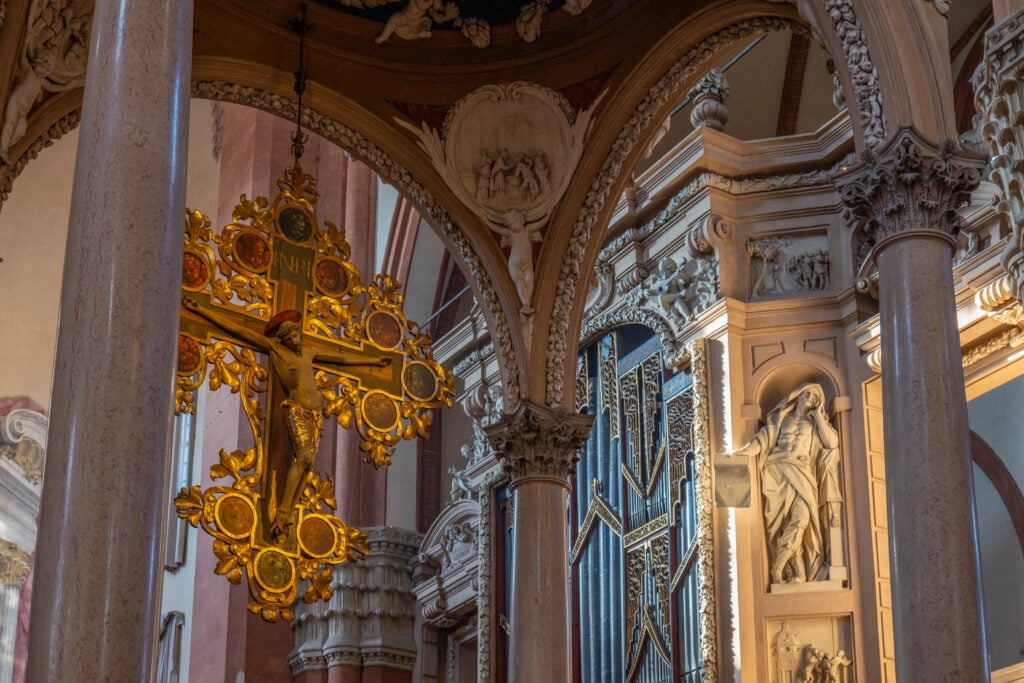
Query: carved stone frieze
[
  {"x": 646, "y": 114},
  {"x": 418, "y": 18},
  {"x": 15, "y": 564},
  {"x": 477, "y": 358},
  {"x": 1012, "y": 338},
  {"x": 999, "y": 98},
  {"x": 810, "y": 650},
  {"x": 767, "y": 256},
  {"x": 703, "y": 476},
  {"x": 909, "y": 185},
  {"x": 535, "y": 440},
  {"x": 863, "y": 74},
  {"x": 389, "y": 169},
  {"x": 789, "y": 264}
]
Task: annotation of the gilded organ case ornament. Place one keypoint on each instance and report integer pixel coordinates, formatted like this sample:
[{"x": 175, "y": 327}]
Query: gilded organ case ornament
[{"x": 276, "y": 281}]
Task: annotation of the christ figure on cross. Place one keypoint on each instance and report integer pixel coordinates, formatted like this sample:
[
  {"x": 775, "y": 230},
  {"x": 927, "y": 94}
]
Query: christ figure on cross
[{"x": 302, "y": 406}]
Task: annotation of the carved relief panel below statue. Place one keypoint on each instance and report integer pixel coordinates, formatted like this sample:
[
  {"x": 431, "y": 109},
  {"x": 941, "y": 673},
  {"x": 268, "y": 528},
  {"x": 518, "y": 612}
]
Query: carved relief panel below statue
[
  {"x": 788, "y": 264},
  {"x": 816, "y": 650},
  {"x": 797, "y": 453}
]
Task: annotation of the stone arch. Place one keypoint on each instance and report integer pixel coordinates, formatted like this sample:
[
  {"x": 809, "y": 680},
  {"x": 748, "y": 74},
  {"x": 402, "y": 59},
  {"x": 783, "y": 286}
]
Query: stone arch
[
  {"x": 582, "y": 249},
  {"x": 869, "y": 74},
  {"x": 675, "y": 353},
  {"x": 66, "y": 111}
]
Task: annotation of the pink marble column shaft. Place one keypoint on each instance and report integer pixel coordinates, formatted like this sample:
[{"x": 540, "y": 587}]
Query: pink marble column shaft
[
  {"x": 932, "y": 528},
  {"x": 540, "y": 582},
  {"x": 908, "y": 192},
  {"x": 97, "y": 576},
  {"x": 362, "y": 491},
  {"x": 538, "y": 447}
]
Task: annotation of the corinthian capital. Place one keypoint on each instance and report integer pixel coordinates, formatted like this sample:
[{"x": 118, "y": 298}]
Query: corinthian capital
[
  {"x": 535, "y": 440},
  {"x": 14, "y": 564},
  {"x": 909, "y": 184}
]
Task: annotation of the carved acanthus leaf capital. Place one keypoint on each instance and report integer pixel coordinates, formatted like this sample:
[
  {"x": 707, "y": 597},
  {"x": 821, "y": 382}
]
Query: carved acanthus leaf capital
[
  {"x": 535, "y": 440},
  {"x": 909, "y": 184},
  {"x": 15, "y": 564}
]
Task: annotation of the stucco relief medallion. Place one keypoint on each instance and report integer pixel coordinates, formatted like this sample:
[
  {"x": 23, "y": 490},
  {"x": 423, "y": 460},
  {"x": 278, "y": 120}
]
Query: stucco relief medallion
[{"x": 508, "y": 152}]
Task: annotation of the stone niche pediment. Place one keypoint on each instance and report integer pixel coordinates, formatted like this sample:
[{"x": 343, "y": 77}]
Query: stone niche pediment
[{"x": 446, "y": 583}]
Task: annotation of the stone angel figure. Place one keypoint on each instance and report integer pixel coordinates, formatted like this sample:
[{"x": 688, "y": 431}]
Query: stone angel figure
[{"x": 670, "y": 287}]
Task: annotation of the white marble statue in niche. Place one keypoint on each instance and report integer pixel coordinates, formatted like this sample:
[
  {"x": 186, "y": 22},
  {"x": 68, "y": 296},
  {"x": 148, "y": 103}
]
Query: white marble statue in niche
[{"x": 798, "y": 459}]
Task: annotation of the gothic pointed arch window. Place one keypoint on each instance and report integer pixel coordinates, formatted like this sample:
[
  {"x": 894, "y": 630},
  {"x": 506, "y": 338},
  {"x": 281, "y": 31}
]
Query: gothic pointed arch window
[{"x": 635, "y": 518}]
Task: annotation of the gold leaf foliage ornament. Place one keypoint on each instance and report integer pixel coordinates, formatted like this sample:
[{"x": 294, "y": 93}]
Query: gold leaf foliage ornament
[{"x": 275, "y": 281}]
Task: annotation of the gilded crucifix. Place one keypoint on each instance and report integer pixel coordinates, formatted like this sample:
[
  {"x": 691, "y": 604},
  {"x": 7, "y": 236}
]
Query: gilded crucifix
[{"x": 274, "y": 281}]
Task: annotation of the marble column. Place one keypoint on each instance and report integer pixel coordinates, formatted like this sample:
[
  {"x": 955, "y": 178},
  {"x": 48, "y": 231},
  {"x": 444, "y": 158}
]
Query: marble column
[
  {"x": 909, "y": 190},
  {"x": 98, "y": 568},
  {"x": 538, "y": 447}
]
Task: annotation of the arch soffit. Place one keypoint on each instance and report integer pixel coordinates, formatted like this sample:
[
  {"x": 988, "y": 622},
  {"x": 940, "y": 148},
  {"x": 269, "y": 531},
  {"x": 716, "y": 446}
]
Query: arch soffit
[{"x": 61, "y": 114}]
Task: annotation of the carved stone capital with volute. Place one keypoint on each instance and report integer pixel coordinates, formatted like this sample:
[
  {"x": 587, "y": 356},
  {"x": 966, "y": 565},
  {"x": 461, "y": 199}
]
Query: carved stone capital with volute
[
  {"x": 909, "y": 185},
  {"x": 15, "y": 564},
  {"x": 539, "y": 441}
]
